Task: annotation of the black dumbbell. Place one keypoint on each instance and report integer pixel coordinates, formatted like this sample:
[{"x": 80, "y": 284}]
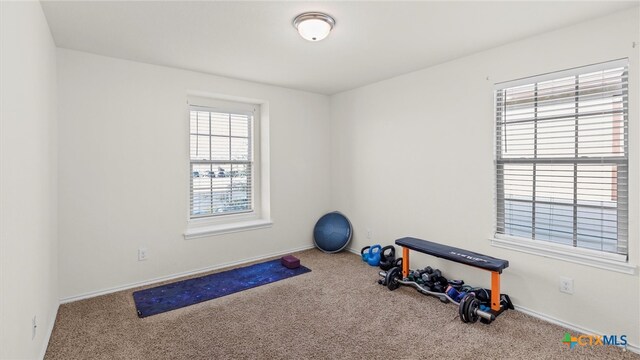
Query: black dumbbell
[
  {"x": 433, "y": 276},
  {"x": 456, "y": 284},
  {"x": 415, "y": 274},
  {"x": 425, "y": 277}
]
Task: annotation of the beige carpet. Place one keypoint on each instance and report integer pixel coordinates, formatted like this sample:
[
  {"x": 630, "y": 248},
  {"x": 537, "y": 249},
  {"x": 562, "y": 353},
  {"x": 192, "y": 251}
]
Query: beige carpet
[{"x": 337, "y": 311}]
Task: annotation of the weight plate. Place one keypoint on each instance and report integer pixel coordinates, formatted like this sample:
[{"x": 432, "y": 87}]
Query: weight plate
[
  {"x": 467, "y": 315},
  {"x": 461, "y": 309},
  {"x": 472, "y": 307},
  {"x": 392, "y": 278}
]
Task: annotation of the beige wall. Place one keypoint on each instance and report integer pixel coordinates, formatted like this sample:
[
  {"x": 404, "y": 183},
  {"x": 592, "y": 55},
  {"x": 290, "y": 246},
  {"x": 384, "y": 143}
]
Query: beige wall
[
  {"x": 124, "y": 172},
  {"x": 413, "y": 156},
  {"x": 28, "y": 234}
]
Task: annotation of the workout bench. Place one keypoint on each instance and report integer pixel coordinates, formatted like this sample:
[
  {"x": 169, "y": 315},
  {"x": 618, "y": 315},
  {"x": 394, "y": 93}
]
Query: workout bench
[{"x": 495, "y": 266}]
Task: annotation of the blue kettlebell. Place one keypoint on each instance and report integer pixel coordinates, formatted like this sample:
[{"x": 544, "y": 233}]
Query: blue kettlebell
[
  {"x": 373, "y": 257},
  {"x": 364, "y": 253}
]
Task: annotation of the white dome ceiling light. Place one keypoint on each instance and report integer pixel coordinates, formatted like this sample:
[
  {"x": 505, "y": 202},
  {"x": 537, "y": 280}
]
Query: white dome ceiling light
[{"x": 314, "y": 26}]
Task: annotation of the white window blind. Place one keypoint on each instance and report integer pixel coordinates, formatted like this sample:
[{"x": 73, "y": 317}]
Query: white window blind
[
  {"x": 221, "y": 162},
  {"x": 562, "y": 157}
]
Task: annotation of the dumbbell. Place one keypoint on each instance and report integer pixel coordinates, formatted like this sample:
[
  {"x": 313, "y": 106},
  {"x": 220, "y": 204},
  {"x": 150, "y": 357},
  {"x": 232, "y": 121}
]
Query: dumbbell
[
  {"x": 456, "y": 284},
  {"x": 438, "y": 287},
  {"x": 433, "y": 276},
  {"x": 390, "y": 278},
  {"x": 416, "y": 274},
  {"x": 425, "y": 277}
]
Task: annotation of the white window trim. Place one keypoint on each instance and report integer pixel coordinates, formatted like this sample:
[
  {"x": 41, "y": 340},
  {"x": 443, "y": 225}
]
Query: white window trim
[
  {"x": 582, "y": 256},
  {"x": 194, "y": 232},
  {"x": 259, "y": 217},
  {"x": 562, "y": 73}
]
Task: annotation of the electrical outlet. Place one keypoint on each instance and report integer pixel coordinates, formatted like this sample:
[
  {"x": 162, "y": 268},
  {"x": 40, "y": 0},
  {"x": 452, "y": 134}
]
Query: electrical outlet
[
  {"x": 142, "y": 254},
  {"x": 369, "y": 234},
  {"x": 34, "y": 325},
  {"x": 566, "y": 285}
]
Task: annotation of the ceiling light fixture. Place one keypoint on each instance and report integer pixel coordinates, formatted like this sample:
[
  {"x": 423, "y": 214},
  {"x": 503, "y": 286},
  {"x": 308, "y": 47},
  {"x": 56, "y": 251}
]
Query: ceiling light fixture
[{"x": 314, "y": 26}]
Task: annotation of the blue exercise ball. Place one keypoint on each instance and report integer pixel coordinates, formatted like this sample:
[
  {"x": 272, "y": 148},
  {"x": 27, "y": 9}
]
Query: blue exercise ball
[{"x": 332, "y": 232}]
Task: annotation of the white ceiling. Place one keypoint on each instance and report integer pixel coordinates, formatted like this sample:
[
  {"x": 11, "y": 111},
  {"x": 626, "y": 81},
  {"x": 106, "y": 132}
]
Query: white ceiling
[{"x": 255, "y": 41}]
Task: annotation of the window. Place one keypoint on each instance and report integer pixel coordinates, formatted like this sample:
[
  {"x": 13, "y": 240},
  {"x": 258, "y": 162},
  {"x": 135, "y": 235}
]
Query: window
[
  {"x": 222, "y": 162},
  {"x": 228, "y": 166},
  {"x": 562, "y": 158}
]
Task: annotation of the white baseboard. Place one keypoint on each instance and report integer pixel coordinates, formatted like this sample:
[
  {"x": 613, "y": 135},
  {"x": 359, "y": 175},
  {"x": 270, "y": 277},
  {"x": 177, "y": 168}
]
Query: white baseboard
[
  {"x": 576, "y": 328},
  {"x": 352, "y": 250},
  {"x": 47, "y": 336},
  {"x": 178, "y": 275}
]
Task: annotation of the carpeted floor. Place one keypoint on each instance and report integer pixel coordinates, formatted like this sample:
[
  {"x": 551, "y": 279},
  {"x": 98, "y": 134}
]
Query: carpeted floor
[{"x": 337, "y": 311}]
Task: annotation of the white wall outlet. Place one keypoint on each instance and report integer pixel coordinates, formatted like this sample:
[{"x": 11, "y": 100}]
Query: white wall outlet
[
  {"x": 142, "y": 254},
  {"x": 369, "y": 234},
  {"x": 566, "y": 285},
  {"x": 34, "y": 326}
]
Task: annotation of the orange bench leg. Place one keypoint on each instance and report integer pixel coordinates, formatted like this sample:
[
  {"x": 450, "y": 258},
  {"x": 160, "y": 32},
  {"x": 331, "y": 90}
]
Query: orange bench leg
[
  {"x": 495, "y": 291},
  {"x": 405, "y": 262}
]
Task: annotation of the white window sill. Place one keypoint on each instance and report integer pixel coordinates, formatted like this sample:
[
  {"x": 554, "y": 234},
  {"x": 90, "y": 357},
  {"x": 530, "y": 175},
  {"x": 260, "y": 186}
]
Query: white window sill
[
  {"x": 597, "y": 259},
  {"x": 219, "y": 229}
]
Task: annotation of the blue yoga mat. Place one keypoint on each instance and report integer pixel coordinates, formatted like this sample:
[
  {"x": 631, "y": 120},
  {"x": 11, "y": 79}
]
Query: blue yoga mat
[{"x": 192, "y": 291}]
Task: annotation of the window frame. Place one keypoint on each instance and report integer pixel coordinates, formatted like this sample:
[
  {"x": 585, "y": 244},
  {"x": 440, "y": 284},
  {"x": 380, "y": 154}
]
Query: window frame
[
  {"x": 596, "y": 258},
  {"x": 251, "y": 162},
  {"x": 256, "y": 218}
]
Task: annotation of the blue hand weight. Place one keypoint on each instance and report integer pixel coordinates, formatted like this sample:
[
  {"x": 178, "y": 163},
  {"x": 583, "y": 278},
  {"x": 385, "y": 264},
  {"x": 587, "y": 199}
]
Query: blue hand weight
[
  {"x": 453, "y": 293},
  {"x": 373, "y": 257}
]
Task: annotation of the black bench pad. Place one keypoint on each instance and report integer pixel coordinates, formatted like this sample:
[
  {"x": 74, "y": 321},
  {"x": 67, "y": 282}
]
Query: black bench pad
[{"x": 454, "y": 254}]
